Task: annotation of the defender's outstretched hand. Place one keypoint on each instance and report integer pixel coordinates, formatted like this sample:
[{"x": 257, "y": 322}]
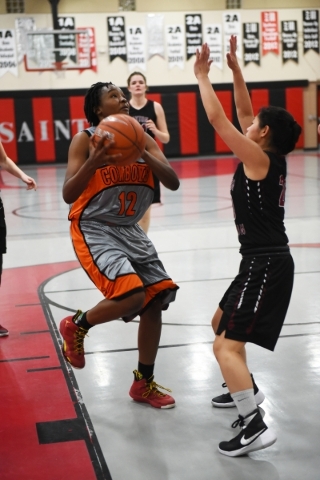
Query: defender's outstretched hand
[
  {"x": 232, "y": 60},
  {"x": 203, "y": 62}
]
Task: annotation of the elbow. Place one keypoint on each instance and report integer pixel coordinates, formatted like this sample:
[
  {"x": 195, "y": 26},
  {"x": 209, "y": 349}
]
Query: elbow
[
  {"x": 67, "y": 197},
  {"x": 175, "y": 185},
  {"x": 212, "y": 119}
]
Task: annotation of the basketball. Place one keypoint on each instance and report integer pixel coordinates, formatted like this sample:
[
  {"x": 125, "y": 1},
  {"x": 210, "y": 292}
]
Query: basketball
[{"x": 128, "y": 136}]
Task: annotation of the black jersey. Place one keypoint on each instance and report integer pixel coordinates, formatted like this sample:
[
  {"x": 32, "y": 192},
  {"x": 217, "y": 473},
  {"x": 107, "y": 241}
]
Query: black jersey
[
  {"x": 259, "y": 207},
  {"x": 144, "y": 114}
]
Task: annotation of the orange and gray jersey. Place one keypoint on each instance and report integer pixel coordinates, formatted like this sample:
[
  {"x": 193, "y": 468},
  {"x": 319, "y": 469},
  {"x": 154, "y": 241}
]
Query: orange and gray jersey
[
  {"x": 111, "y": 247},
  {"x": 116, "y": 195}
]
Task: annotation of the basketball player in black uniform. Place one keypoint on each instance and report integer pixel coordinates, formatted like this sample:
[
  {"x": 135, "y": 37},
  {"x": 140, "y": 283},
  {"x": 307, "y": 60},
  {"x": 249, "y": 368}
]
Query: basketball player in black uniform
[
  {"x": 7, "y": 164},
  {"x": 254, "y": 306},
  {"x": 151, "y": 116}
]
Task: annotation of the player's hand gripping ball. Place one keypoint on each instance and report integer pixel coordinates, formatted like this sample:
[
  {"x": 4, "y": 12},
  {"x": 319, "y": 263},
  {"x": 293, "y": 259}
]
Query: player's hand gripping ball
[{"x": 128, "y": 136}]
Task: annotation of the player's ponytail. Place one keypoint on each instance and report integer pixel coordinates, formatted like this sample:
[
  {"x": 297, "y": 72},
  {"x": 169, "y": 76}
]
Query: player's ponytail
[{"x": 285, "y": 131}]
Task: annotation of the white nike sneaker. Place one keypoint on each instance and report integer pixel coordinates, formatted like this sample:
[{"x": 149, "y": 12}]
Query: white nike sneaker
[{"x": 254, "y": 436}]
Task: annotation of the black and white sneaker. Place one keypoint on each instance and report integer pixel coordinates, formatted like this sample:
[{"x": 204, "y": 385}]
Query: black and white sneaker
[
  {"x": 226, "y": 401},
  {"x": 254, "y": 436}
]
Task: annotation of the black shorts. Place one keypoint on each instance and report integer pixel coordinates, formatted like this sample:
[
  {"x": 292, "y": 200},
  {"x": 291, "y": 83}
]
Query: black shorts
[
  {"x": 3, "y": 229},
  {"x": 255, "y": 305},
  {"x": 3, "y": 235},
  {"x": 157, "y": 192}
]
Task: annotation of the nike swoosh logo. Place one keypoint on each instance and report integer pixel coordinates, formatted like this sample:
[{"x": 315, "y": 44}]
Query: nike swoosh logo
[{"x": 246, "y": 441}]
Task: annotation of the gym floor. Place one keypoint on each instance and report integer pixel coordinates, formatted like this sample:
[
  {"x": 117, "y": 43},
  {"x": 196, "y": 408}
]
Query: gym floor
[{"x": 58, "y": 423}]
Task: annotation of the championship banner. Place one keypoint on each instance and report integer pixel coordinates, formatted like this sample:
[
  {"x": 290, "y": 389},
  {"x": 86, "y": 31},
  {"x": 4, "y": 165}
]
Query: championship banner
[
  {"x": 83, "y": 48},
  {"x": 22, "y": 26},
  {"x": 67, "y": 42},
  {"x": 193, "y": 24},
  {"x": 175, "y": 46},
  {"x": 310, "y": 19},
  {"x": 289, "y": 33},
  {"x": 213, "y": 37},
  {"x": 155, "y": 35},
  {"x": 251, "y": 43},
  {"x": 136, "y": 56},
  {"x": 8, "y": 54},
  {"x": 66, "y": 23},
  {"x": 232, "y": 26},
  {"x": 117, "y": 38},
  {"x": 270, "y": 33}
]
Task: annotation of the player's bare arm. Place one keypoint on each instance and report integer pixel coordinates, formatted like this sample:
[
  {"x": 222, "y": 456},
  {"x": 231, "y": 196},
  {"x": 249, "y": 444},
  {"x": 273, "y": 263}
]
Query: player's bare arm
[
  {"x": 9, "y": 166},
  {"x": 256, "y": 161},
  {"x": 241, "y": 95},
  {"x": 160, "y": 166},
  {"x": 160, "y": 130},
  {"x": 83, "y": 161}
]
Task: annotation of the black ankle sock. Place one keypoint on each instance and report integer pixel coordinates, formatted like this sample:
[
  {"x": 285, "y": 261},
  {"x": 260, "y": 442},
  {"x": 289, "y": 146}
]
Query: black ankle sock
[
  {"x": 146, "y": 370},
  {"x": 81, "y": 321}
]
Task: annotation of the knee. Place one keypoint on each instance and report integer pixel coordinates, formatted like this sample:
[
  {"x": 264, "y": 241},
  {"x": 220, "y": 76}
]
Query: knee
[
  {"x": 153, "y": 312},
  {"x": 220, "y": 350},
  {"x": 216, "y": 348},
  {"x": 134, "y": 303}
]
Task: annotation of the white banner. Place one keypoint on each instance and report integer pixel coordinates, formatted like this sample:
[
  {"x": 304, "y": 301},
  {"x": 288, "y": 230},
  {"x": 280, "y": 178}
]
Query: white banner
[
  {"x": 155, "y": 35},
  {"x": 136, "y": 56},
  {"x": 213, "y": 37},
  {"x": 232, "y": 26},
  {"x": 175, "y": 46},
  {"x": 8, "y": 54},
  {"x": 23, "y": 25}
]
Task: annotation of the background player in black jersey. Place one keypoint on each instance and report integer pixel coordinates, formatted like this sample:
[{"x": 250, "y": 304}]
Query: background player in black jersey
[
  {"x": 151, "y": 115},
  {"x": 7, "y": 164},
  {"x": 253, "y": 308}
]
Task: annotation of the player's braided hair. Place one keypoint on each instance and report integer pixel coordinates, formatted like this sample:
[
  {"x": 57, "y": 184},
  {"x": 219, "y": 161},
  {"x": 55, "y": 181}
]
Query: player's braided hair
[{"x": 92, "y": 101}]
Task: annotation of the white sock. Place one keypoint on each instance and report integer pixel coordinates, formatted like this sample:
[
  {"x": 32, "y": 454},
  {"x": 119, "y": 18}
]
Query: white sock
[{"x": 245, "y": 402}]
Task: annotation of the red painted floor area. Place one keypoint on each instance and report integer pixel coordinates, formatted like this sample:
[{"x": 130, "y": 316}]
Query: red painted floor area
[{"x": 42, "y": 432}]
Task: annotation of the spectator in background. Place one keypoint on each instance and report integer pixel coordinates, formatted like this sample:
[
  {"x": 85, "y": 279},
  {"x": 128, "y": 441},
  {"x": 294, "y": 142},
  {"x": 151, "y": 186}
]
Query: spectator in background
[
  {"x": 7, "y": 164},
  {"x": 151, "y": 116}
]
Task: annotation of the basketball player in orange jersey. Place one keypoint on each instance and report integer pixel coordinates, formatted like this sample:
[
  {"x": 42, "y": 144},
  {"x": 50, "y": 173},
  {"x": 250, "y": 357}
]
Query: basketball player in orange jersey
[
  {"x": 7, "y": 164},
  {"x": 151, "y": 115},
  {"x": 106, "y": 202}
]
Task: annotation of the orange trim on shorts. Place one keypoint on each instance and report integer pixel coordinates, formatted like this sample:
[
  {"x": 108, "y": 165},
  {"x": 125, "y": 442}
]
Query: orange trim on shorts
[
  {"x": 153, "y": 290},
  {"x": 111, "y": 289}
]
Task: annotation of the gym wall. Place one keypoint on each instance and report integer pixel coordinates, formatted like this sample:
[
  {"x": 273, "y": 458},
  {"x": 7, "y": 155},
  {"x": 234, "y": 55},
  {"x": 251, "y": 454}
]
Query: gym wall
[{"x": 41, "y": 111}]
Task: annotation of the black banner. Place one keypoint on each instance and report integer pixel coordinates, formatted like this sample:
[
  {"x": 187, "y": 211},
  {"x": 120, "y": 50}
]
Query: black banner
[
  {"x": 310, "y": 20},
  {"x": 117, "y": 38},
  {"x": 251, "y": 43},
  {"x": 193, "y": 24},
  {"x": 67, "y": 42},
  {"x": 289, "y": 33}
]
